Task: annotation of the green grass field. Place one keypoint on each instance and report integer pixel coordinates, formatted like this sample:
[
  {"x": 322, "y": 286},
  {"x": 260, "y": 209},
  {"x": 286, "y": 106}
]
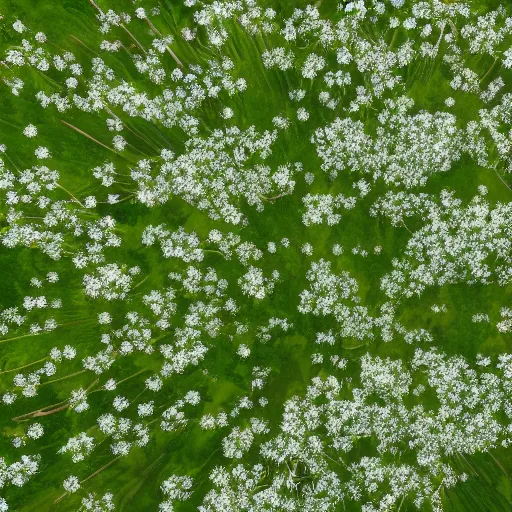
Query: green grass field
[{"x": 80, "y": 141}]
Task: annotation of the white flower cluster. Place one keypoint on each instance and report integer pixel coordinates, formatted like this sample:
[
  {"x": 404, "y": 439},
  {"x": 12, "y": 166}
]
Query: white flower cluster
[
  {"x": 333, "y": 418},
  {"x": 175, "y": 488},
  {"x": 94, "y": 504},
  {"x": 174, "y": 418},
  {"x": 176, "y": 244},
  {"x": 123, "y": 432},
  {"x": 322, "y": 208},
  {"x": 215, "y": 172},
  {"x": 454, "y": 246},
  {"x": 326, "y": 289},
  {"x": 18, "y": 473},
  {"x": 255, "y": 284},
  {"x": 110, "y": 281},
  {"x": 79, "y": 447},
  {"x": 406, "y": 149}
]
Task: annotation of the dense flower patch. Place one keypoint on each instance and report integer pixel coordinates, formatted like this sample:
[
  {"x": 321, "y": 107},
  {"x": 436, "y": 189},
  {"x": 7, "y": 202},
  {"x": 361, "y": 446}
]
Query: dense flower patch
[{"x": 257, "y": 255}]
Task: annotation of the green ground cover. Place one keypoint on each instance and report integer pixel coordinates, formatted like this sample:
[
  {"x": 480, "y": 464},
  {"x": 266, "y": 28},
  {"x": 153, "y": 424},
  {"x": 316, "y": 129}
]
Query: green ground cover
[{"x": 197, "y": 331}]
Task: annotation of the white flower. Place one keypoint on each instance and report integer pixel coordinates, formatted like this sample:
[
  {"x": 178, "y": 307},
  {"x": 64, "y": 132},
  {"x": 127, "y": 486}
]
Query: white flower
[
  {"x": 71, "y": 484},
  {"x": 313, "y": 64},
  {"x": 243, "y": 351},
  {"x": 281, "y": 122},
  {"x": 307, "y": 249},
  {"x": 507, "y": 61},
  {"x": 104, "y": 318},
  {"x": 145, "y": 409},
  {"x": 79, "y": 447},
  {"x": 154, "y": 383},
  {"x": 297, "y": 94},
  {"x": 409, "y": 23},
  {"x": 72, "y": 82},
  {"x": 192, "y": 397},
  {"x": 188, "y": 34},
  {"x": 317, "y": 358},
  {"x": 120, "y": 403},
  {"x": 69, "y": 352},
  {"x": 278, "y": 58},
  {"x": 52, "y": 277},
  {"x": 90, "y": 202},
  {"x": 110, "y": 385},
  {"x": 35, "y": 431},
  {"x": 42, "y": 153},
  {"x": 18, "y": 26},
  {"x": 302, "y": 114},
  {"x": 30, "y": 131},
  {"x": 119, "y": 143},
  {"x": 9, "y": 398},
  {"x": 227, "y": 113}
]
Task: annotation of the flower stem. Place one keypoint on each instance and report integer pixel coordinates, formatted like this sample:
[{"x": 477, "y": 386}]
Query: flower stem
[{"x": 25, "y": 366}]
